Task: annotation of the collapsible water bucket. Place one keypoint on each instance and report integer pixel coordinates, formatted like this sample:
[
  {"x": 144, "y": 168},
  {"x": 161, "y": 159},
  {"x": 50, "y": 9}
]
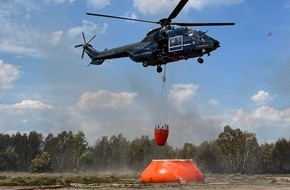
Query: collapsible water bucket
[{"x": 172, "y": 171}]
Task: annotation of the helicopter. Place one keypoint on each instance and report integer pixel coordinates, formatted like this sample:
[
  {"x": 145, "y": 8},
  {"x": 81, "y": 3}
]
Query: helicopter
[{"x": 161, "y": 45}]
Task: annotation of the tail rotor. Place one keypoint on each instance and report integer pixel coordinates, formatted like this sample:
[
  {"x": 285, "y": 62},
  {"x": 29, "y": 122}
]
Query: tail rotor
[{"x": 85, "y": 44}]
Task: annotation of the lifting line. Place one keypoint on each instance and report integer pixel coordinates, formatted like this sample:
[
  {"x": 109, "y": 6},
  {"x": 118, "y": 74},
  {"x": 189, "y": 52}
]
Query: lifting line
[{"x": 162, "y": 104}]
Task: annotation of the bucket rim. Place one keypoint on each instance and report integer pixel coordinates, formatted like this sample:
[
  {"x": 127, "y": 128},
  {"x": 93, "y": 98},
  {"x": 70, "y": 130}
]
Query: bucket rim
[{"x": 172, "y": 160}]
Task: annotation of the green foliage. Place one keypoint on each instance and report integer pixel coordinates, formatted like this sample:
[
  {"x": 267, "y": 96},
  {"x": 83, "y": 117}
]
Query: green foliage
[
  {"x": 41, "y": 163},
  {"x": 237, "y": 147},
  {"x": 210, "y": 158},
  {"x": 281, "y": 154},
  {"x": 234, "y": 151},
  {"x": 79, "y": 146},
  {"x": 268, "y": 162},
  {"x": 188, "y": 151}
]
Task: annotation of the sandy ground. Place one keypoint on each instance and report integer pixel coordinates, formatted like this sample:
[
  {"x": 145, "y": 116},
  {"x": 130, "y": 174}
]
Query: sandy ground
[{"x": 213, "y": 181}]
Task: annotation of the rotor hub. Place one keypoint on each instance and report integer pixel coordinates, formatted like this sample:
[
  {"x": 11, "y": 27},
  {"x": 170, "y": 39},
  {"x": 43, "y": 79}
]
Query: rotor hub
[{"x": 164, "y": 22}]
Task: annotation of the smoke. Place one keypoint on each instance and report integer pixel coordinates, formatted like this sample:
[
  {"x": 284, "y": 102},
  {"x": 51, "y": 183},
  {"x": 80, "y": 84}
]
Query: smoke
[{"x": 280, "y": 79}]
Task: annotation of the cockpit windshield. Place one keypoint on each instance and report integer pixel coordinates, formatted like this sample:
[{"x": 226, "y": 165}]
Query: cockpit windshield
[
  {"x": 200, "y": 33},
  {"x": 197, "y": 34}
]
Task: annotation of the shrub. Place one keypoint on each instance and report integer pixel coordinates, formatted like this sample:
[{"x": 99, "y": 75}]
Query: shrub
[{"x": 41, "y": 163}]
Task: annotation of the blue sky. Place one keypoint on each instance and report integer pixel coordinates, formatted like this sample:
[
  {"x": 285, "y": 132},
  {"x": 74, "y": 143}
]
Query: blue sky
[{"x": 46, "y": 86}]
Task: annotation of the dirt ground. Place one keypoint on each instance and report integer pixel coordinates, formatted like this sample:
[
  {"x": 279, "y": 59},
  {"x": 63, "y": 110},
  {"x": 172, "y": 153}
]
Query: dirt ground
[
  {"x": 213, "y": 181},
  {"x": 225, "y": 182}
]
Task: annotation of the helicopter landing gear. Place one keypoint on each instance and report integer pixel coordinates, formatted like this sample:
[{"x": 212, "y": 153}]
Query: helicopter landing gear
[
  {"x": 145, "y": 64},
  {"x": 200, "y": 60},
  {"x": 159, "y": 69}
]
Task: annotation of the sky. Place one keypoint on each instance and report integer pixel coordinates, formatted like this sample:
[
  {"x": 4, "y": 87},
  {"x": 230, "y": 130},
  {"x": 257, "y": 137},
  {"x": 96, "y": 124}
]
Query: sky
[{"x": 45, "y": 85}]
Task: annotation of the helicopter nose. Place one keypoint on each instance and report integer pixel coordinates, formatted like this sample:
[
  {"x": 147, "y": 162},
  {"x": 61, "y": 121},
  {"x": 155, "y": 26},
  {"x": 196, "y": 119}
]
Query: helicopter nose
[{"x": 216, "y": 43}]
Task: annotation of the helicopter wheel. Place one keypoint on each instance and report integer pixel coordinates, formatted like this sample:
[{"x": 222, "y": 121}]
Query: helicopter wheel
[
  {"x": 159, "y": 69},
  {"x": 145, "y": 64},
  {"x": 200, "y": 60}
]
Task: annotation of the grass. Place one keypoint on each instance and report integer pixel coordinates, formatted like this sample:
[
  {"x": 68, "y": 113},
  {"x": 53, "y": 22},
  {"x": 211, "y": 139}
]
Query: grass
[
  {"x": 131, "y": 180},
  {"x": 28, "y": 179}
]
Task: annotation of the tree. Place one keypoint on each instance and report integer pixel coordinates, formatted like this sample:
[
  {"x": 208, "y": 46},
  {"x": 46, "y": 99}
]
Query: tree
[
  {"x": 20, "y": 143},
  {"x": 79, "y": 146},
  {"x": 118, "y": 149},
  {"x": 61, "y": 150},
  {"x": 249, "y": 151},
  {"x": 41, "y": 163},
  {"x": 140, "y": 153},
  {"x": 281, "y": 153},
  {"x": 209, "y": 157},
  {"x": 11, "y": 158},
  {"x": 268, "y": 161},
  {"x": 86, "y": 158},
  {"x": 35, "y": 144},
  {"x": 237, "y": 146},
  {"x": 188, "y": 151},
  {"x": 102, "y": 153}
]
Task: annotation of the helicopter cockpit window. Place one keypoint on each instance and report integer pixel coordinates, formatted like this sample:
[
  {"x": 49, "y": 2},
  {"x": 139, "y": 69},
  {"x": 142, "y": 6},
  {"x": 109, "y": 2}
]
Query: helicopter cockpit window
[{"x": 175, "y": 43}]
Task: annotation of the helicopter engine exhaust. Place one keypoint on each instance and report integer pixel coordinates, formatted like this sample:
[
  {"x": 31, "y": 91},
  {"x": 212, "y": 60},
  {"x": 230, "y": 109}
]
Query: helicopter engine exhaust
[{"x": 163, "y": 33}]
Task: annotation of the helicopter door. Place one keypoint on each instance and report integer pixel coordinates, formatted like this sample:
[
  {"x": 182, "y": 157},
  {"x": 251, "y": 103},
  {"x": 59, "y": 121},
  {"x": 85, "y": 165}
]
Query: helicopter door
[{"x": 175, "y": 43}]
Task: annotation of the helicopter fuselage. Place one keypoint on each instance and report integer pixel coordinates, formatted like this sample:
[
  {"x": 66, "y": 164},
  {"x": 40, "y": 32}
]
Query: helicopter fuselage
[{"x": 161, "y": 46}]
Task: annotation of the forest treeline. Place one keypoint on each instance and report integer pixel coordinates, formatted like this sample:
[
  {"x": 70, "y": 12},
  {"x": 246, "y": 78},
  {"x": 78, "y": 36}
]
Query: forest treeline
[{"x": 234, "y": 151}]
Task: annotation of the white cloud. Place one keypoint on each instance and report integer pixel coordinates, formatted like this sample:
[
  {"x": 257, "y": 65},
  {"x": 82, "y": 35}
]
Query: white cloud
[
  {"x": 17, "y": 35},
  {"x": 213, "y": 102},
  {"x": 182, "y": 93},
  {"x": 28, "y": 115},
  {"x": 88, "y": 27},
  {"x": 56, "y": 37},
  {"x": 262, "y": 98},
  {"x": 154, "y": 7},
  {"x": 104, "y": 99},
  {"x": 200, "y": 4},
  {"x": 8, "y": 74},
  {"x": 25, "y": 107},
  {"x": 31, "y": 104},
  {"x": 98, "y": 4},
  {"x": 131, "y": 15},
  {"x": 263, "y": 115},
  {"x": 267, "y": 122},
  {"x": 57, "y": 1}
]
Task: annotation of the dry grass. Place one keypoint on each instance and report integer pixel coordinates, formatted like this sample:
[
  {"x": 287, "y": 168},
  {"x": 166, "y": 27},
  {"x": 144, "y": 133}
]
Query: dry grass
[
  {"x": 131, "y": 181},
  {"x": 28, "y": 179}
]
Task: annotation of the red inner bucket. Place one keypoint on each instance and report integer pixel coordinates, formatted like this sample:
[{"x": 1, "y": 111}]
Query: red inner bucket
[{"x": 161, "y": 134}]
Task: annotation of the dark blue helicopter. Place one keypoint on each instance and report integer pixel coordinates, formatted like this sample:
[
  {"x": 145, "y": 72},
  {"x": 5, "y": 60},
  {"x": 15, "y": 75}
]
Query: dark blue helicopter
[{"x": 161, "y": 45}]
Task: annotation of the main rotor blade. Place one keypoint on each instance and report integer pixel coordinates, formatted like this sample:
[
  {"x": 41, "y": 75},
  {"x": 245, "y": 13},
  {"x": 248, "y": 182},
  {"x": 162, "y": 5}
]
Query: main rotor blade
[
  {"x": 204, "y": 24},
  {"x": 80, "y": 45},
  {"x": 122, "y": 18},
  {"x": 177, "y": 9}
]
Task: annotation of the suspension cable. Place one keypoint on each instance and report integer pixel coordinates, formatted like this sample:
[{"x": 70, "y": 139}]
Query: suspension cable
[{"x": 162, "y": 104}]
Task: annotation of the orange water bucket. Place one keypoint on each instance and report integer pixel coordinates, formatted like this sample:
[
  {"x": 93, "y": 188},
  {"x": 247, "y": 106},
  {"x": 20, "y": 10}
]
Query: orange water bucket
[
  {"x": 161, "y": 134},
  {"x": 172, "y": 171}
]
